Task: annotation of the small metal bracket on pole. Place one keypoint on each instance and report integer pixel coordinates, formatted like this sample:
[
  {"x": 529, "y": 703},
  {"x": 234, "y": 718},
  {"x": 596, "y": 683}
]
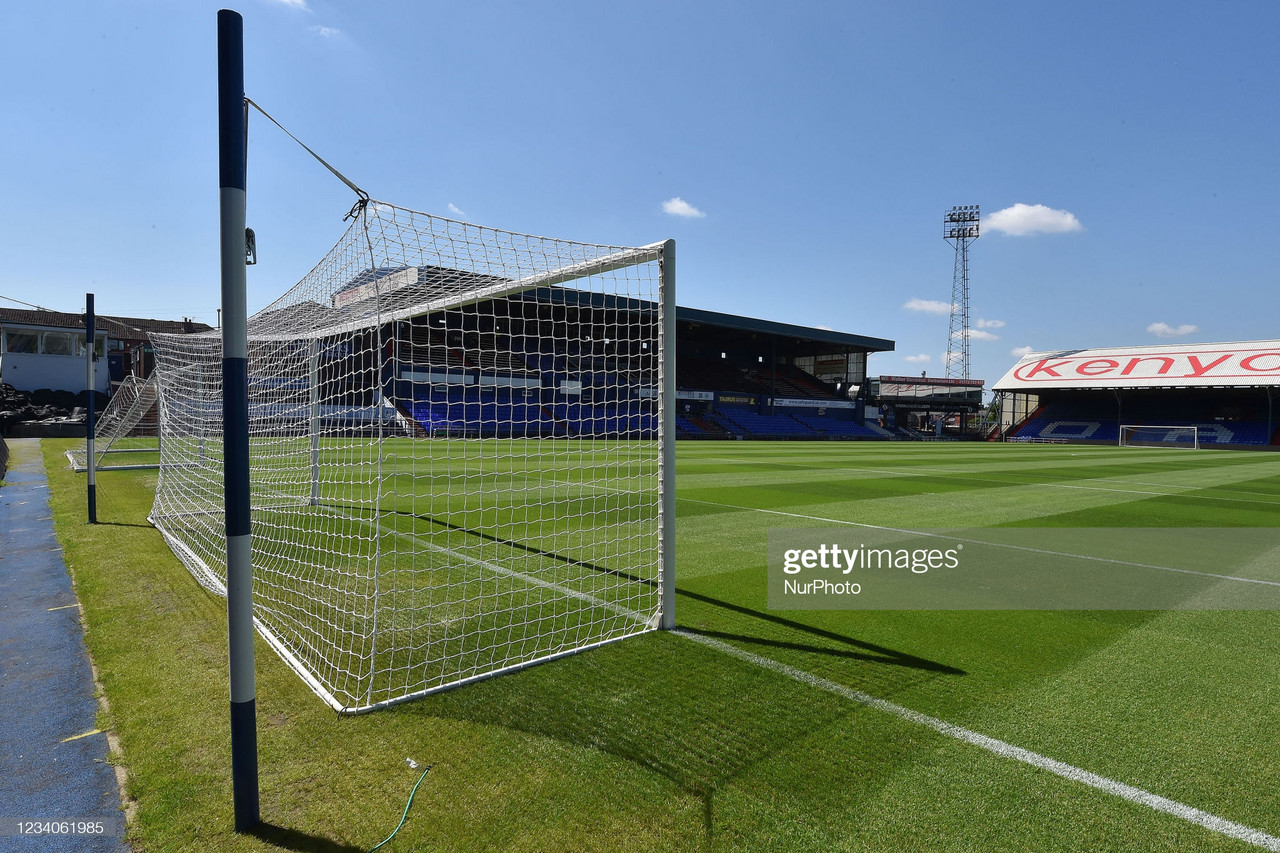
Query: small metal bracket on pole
[{"x": 250, "y": 247}]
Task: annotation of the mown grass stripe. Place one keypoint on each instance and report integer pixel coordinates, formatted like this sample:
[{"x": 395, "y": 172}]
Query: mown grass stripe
[
  {"x": 1191, "y": 814},
  {"x": 951, "y": 537}
]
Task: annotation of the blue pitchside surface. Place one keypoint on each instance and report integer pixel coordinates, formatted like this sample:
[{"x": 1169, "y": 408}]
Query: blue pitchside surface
[{"x": 48, "y": 693}]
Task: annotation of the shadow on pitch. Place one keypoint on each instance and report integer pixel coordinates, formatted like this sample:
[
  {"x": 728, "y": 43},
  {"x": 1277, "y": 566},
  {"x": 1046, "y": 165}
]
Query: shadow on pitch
[
  {"x": 292, "y": 839},
  {"x": 687, "y": 716},
  {"x": 865, "y": 651}
]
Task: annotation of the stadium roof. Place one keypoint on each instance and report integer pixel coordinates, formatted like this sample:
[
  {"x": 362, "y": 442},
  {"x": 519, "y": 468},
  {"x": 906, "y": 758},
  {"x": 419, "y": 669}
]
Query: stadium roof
[
  {"x": 697, "y": 316},
  {"x": 1244, "y": 364},
  {"x": 730, "y": 323}
]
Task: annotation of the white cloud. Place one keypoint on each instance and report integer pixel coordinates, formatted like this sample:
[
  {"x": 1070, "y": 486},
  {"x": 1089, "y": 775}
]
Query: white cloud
[
  {"x": 1023, "y": 219},
  {"x": 1164, "y": 330},
  {"x": 919, "y": 359},
  {"x": 927, "y": 306},
  {"x": 952, "y": 357},
  {"x": 679, "y": 207},
  {"x": 453, "y": 208},
  {"x": 975, "y": 335},
  {"x": 1019, "y": 352},
  {"x": 325, "y": 32},
  {"x": 295, "y": 4},
  {"x": 990, "y": 324}
]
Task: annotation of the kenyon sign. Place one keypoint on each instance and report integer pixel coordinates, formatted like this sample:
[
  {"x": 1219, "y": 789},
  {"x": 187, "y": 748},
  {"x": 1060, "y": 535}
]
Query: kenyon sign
[{"x": 1229, "y": 364}]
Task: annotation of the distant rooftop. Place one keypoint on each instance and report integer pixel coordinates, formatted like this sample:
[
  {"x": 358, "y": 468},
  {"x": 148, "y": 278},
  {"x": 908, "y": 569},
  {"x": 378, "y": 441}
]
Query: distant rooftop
[{"x": 120, "y": 328}]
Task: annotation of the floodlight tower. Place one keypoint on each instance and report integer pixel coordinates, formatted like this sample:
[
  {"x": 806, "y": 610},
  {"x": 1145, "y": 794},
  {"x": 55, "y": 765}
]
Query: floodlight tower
[{"x": 959, "y": 228}]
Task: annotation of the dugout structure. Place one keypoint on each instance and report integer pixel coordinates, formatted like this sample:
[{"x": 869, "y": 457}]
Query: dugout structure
[
  {"x": 422, "y": 515},
  {"x": 1226, "y": 391}
]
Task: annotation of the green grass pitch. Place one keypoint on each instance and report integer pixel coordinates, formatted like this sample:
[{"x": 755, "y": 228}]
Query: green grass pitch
[{"x": 660, "y": 743}]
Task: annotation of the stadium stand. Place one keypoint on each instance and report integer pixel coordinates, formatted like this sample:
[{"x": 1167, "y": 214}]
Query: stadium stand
[
  {"x": 458, "y": 375},
  {"x": 1081, "y": 421},
  {"x": 1227, "y": 391}
]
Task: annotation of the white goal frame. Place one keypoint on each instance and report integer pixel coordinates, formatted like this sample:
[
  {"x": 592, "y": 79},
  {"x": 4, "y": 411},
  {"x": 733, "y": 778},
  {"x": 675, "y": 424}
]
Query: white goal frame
[
  {"x": 411, "y": 534},
  {"x": 1174, "y": 445}
]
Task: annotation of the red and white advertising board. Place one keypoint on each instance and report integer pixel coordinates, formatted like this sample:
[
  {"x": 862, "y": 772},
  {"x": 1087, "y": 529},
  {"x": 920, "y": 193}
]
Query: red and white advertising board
[{"x": 1244, "y": 364}]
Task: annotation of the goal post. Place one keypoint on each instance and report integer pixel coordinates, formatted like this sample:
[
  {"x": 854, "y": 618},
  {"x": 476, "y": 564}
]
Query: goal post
[
  {"x": 126, "y": 432},
  {"x": 1145, "y": 435},
  {"x": 462, "y": 455}
]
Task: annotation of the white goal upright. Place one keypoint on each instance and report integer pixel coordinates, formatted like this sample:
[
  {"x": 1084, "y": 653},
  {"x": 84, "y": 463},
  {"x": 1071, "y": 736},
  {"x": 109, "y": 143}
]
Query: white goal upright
[
  {"x": 461, "y": 445},
  {"x": 1144, "y": 435}
]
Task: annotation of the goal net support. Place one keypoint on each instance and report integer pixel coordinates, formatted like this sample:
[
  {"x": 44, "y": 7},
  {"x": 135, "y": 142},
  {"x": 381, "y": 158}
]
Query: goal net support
[
  {"x": 461, "y": 445},
  {"x": 128, "y": 425},
  {"x": 1141, "y": 435}
]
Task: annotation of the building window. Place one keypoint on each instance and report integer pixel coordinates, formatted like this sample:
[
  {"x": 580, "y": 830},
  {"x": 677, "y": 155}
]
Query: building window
[
  {"x": 21, "y": 342},
  {"x": 58, "y": 343}
]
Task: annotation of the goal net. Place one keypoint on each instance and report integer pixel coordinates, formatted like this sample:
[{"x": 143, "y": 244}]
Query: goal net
[
  {"x": 458, "y": 455},
  {"x": 1187, "y": 437},
  {"x": 128, "y": 425}
]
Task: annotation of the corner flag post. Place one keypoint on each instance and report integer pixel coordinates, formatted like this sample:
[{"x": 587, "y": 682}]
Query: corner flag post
[{"x": 235, "y": 417}]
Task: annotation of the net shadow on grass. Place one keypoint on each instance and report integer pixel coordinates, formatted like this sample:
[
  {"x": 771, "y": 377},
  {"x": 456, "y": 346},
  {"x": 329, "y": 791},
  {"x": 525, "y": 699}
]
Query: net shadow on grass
[
  {"x": 694, "y": 716},
  {"x": 678, "y": 710}
]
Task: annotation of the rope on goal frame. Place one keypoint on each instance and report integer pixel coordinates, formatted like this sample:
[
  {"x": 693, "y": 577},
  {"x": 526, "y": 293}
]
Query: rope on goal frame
[{"x": 364, "y": 196}]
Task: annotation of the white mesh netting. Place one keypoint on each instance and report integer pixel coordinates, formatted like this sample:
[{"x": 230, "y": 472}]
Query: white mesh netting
[
  {"x": 127, "y": 425},
  {"x": 456, "y": 450}
]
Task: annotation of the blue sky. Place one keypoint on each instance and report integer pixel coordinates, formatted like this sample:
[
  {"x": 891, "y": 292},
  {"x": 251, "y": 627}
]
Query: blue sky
[{"x": 1129, "y": 148}]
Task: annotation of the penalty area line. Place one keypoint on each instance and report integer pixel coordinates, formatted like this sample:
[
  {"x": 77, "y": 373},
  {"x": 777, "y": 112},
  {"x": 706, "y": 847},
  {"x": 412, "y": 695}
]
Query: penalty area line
[{"x": 1209, "y": 821}]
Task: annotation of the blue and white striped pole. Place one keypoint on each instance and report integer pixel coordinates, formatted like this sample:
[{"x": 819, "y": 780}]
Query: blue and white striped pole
[
  {"x": 90, "y": 421},
  {"x": 235, "y": 417}
]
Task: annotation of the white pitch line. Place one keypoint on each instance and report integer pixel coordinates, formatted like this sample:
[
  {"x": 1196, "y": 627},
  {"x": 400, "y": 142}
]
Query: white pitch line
[
  {"x": 1025, "y": 548},
  {"x": 1209, "y": 821},
  {"x": 813, "y": 467}
]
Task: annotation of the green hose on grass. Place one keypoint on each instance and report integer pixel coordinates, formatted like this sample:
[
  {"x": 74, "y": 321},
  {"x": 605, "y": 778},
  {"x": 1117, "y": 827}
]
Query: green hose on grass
[{"x": 406, "y": 811}]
